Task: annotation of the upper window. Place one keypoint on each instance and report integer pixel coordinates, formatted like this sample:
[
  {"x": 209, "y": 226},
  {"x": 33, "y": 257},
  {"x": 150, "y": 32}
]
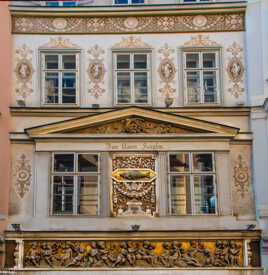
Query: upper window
[
  {"x": 192, "y": 183},
  {"x": 201, "y": 76},
  {"x": 193, "y": 1},
  {"x": 132, "y": 73},
  {"x": 75, "y": 184},
  {"x": 119, "y": 2},
  {"x": 60, "y": 74},
  {"x": 60, "y": 3}
]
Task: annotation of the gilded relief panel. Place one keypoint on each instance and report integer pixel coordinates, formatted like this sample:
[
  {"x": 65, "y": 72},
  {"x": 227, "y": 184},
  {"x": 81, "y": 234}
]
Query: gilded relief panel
[
  {"x": 134, "y": 125},
  {"x": 134, "y": 185},
  {"x": 242, "y": 185},
  {"x": 133, "y": 253}
]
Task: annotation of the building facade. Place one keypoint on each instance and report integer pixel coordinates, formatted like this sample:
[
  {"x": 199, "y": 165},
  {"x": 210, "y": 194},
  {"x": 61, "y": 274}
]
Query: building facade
[
  {"x": 258, "y": 89},
  {"x": 131, "y": 143}
]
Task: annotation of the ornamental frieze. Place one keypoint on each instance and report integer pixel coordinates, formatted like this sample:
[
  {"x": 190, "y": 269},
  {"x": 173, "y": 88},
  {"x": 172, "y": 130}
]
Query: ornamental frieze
[
  {"x": 132, "y": 253},
  {"x": 141, "y": 24},
  {"x": 134, "y": 125}
]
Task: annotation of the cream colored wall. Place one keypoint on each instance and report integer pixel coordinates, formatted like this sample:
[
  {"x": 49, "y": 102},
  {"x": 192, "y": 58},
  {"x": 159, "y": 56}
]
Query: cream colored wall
[{"x": 106, "y": 42}]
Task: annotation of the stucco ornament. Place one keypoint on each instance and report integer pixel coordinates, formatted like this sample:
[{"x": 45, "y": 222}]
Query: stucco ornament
[
  {"x": 235, "y": 70},
  {"x": 60, "y": 43},
  {"x": 167, "y": 71},
  {"x": 96, "y": 71},
  {"x": 201, "y": 40},
  {"x": 24, "y": 71},
  {"x": 131, "y": 42},
  {"x": 119, "y": 24},
  {"x": 241, "y": 176},
  {"x": 22, "y": 174}
]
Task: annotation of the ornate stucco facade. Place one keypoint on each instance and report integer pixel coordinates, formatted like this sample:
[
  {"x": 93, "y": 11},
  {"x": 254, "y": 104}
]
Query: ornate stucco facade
[{"x": 131, "y": 141}]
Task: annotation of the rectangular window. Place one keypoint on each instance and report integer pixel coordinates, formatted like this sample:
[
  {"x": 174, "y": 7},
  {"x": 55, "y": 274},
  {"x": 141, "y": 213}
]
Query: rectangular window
[
  {"x": 60, "y": 77},
  {"x": 60, "y": 3},
  {"x": 201, "y": 76},
  {"x": 132, "y": 73},
  {"x": 129, "y": 2},
  {"x": 192, "y": 187},
  {"x": 75, "y": 184}
]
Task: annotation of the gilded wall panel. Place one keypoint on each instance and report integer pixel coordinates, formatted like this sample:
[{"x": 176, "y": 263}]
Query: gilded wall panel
[
  {"x": 133, "y": 253},
  {"x": 133, "y": 24}
]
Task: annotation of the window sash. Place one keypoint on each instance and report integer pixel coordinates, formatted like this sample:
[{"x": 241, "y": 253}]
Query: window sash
[
  {"x": 77, "y": 195},
  {"x": 131, "y": 95},
  {"x": 61, "y": 71},
  {"x": 197, "y": 93},
  {"x": 189, "y": 206}
]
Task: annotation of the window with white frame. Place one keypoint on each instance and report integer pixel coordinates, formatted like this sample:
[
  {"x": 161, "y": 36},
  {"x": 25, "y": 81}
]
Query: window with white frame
[
  {"x": 192, "y": 188},
  {"x": 132, "y": 74},
  {"x": 60, "y": 77},
  {"x": 201, "y": 76},
  {"x": 128, "y": 2},
  {"x": 75, "y": 182},
  {"x": 197, "y": 1}
]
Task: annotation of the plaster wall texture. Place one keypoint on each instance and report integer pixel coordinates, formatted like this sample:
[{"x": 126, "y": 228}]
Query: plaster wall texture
[
  {"x": 107, "y": 42},
  {"x": 5, "y": 94}
]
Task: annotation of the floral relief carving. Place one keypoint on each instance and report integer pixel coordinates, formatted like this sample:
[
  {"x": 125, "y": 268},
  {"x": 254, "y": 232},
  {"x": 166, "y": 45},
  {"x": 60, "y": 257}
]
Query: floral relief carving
[
  {"x": 201, "y": 40},
  {"x": 131, "y": 42},
  {"x": 59, "y": 43},
  {"x": 96, "y": 71},
  {"x": 235, "y": 70},
  {"x": 117, "y": 24},
  {"x": 24, "y": 71},
  {"x": 167, "y": 71},
  {"x": 22, "y": 174},
  {"x": 241, "y": 175}
]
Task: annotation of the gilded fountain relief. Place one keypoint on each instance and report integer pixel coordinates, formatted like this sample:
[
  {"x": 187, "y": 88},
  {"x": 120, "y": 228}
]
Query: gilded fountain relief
[{"x": 133, "y": 185}]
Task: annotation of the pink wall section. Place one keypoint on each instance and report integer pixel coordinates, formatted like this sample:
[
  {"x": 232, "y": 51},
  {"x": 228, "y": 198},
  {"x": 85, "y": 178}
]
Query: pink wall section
[{"x": 5, "y": 94}]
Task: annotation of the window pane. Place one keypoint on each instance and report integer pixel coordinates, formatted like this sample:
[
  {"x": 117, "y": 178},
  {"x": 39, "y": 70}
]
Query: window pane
[
  {"x": 209, "y": 60},
  {"x": 51, "y": 91},
  {"x": 179, "y": 162},
  {"x": 121, "y": 1},
  {"x": 141, "y": 87},
  {"x": 180, "y": 195},
  {"x": 123, "y": 61},
  {"x": 51, "y": 62},
  {"x": 192, "y": 60},
  {"x": 203, "y": 162},
  {"x": 137, "y": 1},
  {"x": 87, "y": 163},
  {"x": 140, "y": 61},
  {"x": 68, "y": 87},
  {"x": 69, "y": 61},
  {"x": 210, "y": 86},
  {"x": 123, "y": 87},
  {"x": 204, "y": 195},
  {"x": 88, "y": 195},
  {"x": 193, "y": 87},
  {"x": 63, "y": 163},
  {"x": 68, "y": 3},
  {"x": 63, "y": 195},
  {"x": 52, "y": 4}
]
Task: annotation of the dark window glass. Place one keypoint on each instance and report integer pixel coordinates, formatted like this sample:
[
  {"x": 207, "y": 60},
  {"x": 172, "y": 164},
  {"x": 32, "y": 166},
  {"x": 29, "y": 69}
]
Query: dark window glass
[
  {"x": 87, "y": 163},
  {"x": 64, "y": 163},
  {"x": 179, "y": 162}
]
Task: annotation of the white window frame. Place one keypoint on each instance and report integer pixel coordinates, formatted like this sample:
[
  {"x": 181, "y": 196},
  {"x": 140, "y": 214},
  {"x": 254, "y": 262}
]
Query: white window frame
[
  {"x": 60, "y": 70},
  {"x": 196, "y": 1},
  {"x": 75, "y": 175},
  {"x": 132, "y": 71},
  {"x": 216, "y": 69},
  {"x": 192, "y": 174}
]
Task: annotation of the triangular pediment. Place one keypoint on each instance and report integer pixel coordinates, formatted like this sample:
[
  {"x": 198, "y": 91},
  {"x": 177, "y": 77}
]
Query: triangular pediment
[{"x": 132, "y": 120}]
